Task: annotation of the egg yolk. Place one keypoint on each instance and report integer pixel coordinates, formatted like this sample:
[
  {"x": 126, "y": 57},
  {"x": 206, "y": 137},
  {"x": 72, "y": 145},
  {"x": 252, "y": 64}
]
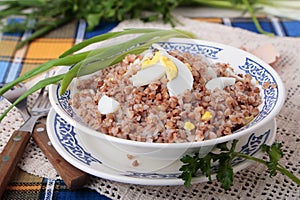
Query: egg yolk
[
  {"x": 189, "y": 126},
  {"x": 171, "y": 69},
  {"x": 151, "y": 61},
  {"x": 206, "y": 116}
]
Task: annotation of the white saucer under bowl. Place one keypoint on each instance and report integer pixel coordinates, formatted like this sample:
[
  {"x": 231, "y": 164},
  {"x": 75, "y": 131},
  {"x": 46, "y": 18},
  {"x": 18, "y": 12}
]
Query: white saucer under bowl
[{"x": 77, "y": 151}]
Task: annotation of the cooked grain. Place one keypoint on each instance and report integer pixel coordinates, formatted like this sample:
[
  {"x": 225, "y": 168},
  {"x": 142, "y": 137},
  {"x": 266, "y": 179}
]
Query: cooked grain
[{"x": 149, "y": 114}]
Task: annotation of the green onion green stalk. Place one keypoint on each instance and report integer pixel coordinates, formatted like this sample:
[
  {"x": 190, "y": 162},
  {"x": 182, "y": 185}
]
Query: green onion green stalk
[{"x": 88, "y": 62}]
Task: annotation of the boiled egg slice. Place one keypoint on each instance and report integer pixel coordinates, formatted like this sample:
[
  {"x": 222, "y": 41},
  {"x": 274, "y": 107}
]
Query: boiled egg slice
[
  {"x": 148, "y": 75},
  {"x": 220, "y": 83},
  {"x": 107, "y": 105},
  {"x": 171, "y": 69},
  {"x": 161, "y": 63},
  {"x": 147, "y": 62},
  {"x": 184, "y": 79}
]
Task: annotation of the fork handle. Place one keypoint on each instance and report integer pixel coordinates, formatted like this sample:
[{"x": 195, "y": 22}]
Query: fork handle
[
  {"x": 11, "y": 155},
  {"x": 72, "y": 176}
]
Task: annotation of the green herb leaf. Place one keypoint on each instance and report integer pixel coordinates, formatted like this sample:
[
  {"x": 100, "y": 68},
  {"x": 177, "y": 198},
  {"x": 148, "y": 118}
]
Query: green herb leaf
[
  {"x": 225, "y": 170},
  {"x": 224, "y": 173},
  {"x": 205, "y": 165},
  {"x": 222, "y": 146},
  {"x": 275, "y": 154},
  {"x": 190, "y": 168}
]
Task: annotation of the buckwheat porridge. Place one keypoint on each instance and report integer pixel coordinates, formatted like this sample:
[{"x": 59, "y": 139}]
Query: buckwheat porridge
[{"x": 167, "y": 97}]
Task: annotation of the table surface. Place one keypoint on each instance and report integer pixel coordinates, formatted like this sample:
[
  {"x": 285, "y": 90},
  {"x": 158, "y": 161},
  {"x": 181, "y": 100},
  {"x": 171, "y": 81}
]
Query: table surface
[{"x": 15, "y": 63}]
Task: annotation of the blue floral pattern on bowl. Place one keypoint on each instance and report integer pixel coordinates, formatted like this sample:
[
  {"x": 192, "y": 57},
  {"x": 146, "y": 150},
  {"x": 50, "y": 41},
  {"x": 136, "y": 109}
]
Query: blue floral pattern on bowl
[
  {"x": 67, "y": 138},
  {"x": 94, "y": 160},
  {"x": 250, "y": 148},
  {"x": 262, "y": 75},
  {"x": 206, "y": 50},
  {"x": 250, "y": 66}
]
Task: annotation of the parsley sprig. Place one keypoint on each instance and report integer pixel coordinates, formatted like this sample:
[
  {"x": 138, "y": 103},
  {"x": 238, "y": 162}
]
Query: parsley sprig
[{"x": 225, "y": 156}]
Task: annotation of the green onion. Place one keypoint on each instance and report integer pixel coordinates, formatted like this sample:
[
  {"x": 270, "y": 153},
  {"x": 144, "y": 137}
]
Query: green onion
[
  {"x": 91, "y": 61},
  {"x": 107, "y": 56},
  {"x": 105, "y": 36},
  {"x": 36, "y": 87},
  {"x": 44, "y": 67},
  {"x": 254, "y": 19}
]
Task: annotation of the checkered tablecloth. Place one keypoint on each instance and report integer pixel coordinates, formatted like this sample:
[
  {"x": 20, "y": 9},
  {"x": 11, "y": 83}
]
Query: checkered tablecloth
[{"x": 14, "y": 63}]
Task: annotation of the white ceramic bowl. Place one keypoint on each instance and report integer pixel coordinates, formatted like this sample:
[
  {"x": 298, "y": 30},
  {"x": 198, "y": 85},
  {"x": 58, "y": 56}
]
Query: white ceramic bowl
[{"x": 158, "y": 156}]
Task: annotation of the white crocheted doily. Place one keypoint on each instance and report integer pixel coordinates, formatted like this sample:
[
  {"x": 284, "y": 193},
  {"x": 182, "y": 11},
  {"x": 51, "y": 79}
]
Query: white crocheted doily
[{"x": 250, "y": 183}]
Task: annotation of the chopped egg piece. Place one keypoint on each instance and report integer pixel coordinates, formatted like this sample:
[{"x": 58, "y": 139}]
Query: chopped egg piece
[
  {"x": 107, "y": 105},
  {"x": 189, "y": 126},
  {"x": 188, "y": 66},
  {"x": 211, "y": 73},
  {"x": 184, "y": 80},
  {"x": 148, "y": 75},
  {"x": 248, "y": 119},
  {"x": 220, "y": 83},
  {"x": 179, "y": 75},
  {"x": 151, "y": 61},
  {"x": 171, "y": 69},
  {"x": 206, "y": 116}
]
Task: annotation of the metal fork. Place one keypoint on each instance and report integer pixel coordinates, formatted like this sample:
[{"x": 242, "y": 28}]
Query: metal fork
[
  {"x": 15, "y": 147},
  {"x": 40, "y": 109}
]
